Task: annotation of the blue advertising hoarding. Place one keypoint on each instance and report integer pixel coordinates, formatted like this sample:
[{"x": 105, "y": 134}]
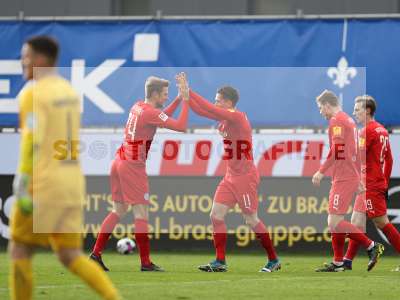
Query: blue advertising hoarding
[{"x": 279, "y": 66}]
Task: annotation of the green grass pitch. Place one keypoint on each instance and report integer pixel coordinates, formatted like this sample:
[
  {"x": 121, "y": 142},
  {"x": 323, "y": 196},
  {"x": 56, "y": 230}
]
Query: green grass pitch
[{"x": 182, "y": 280}]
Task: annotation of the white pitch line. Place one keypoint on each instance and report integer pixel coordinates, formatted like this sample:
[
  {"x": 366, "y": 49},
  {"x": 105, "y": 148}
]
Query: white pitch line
[{"x": 40, "y": 287}]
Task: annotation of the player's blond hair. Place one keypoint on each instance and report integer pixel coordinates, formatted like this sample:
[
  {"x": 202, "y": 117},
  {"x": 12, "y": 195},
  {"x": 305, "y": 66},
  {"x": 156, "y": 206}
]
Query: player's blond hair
[
  {"x": 367, "y": 101},
  {"x": 154, "y": 84},
  {"x": 328, "y": 97}
]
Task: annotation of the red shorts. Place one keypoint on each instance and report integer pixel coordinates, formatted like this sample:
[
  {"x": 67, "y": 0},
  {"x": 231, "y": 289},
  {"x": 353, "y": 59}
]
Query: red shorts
[
  {"x": 372, "y": 202},
  {"x": 129, "y": 183},
  {"x": 341, "y": 196},
  {"x": 239, "y": 189}
]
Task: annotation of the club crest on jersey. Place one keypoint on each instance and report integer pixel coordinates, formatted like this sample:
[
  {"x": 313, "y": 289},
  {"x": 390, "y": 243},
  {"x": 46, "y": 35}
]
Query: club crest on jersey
[
  {"x": 361, "y": 142},
  {"x": 337, "y": 130},
  {"x": 163, "y": 116}
]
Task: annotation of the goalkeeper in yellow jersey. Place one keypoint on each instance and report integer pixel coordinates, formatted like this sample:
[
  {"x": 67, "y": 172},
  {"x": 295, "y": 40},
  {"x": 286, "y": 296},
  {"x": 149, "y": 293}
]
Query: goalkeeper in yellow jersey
[{"x": 49, "y": 185}]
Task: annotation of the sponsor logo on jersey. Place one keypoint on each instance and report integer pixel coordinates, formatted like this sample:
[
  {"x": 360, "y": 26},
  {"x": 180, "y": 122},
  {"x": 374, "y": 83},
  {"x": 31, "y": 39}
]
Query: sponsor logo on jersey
[{"x": 163, "y": 117}]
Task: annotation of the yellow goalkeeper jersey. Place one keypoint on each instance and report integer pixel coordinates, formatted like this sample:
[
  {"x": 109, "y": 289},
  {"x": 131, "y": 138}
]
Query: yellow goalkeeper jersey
[
  {"x": 57, "y": 175},
  {"x": 25, "y": 103},
  {"x": 25, "y": 100}
]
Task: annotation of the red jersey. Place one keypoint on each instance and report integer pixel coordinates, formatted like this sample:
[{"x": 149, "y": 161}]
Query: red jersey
[
  {"x": 377, "y": 160},
  {"x": 343, "y": 156},
  {"x": 141, "y": 127},
  {"x": 236, "y": 132}
]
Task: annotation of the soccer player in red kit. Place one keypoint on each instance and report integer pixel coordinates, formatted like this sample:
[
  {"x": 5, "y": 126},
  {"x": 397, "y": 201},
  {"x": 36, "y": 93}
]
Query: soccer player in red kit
[
  {"x": 129, "y": 183},
  {"x": 343, "y": 160},
  {"x": 240, "y": 183},
  {"x": 376, "y": 169}
]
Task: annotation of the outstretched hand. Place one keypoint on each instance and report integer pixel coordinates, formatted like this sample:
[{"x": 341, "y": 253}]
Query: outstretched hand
[{"x": 183, "y": 86}]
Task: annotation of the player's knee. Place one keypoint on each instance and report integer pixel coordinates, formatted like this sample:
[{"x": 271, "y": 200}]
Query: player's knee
[
  {"x": 330, "y": 223},
  {"x": 119, "y": 213},
  {"x": 381, "y": 222},
  {"x": 67, "y": 256},
  {"x": 141, "y": 211},
  {"x": 141, "y": 215},
  {"x": 251, "y": 220},
  {"x": 333, "y": 222},
  {"x": 358, "y": 222},
  {"x": 215, "y": 214},
  {"x": 19, "y": 251}
]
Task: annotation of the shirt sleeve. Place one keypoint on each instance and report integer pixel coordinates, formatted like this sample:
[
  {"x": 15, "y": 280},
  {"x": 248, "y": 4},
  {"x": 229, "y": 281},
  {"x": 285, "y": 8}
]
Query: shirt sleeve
[
  {"x": 26, "y": 142},
  {"x": 328, "y": 162},
  {"x": 220, "y": 114},
  {"x": 198, "y": 110},
  {"x": 161, "y": 119},
  {"x": 170, "y": 109},
  {"x": 388, "y": 164},
  {"x": 26, "y": 150}
]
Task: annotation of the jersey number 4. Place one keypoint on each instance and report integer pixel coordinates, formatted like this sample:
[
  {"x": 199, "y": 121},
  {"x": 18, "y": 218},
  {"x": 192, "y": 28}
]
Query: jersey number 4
[{"x": 131, "y": 126}]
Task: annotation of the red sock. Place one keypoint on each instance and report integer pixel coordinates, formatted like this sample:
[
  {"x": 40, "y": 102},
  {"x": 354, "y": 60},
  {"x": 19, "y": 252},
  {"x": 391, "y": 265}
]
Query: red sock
[
  {"x": 265, "y": 240},
  {"x": 105, "y": 231},
  {"x": 352, "y": 250},
  {"x": 353, "y": 233},
  {"x": 338, "y": 239},
  {"x": 220, "y": 236},
  {"x": 142, "y": 240},
  {"x": 393, "y": 235}
]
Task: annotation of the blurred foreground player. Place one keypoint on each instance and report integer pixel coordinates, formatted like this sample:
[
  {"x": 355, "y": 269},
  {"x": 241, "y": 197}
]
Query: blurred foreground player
[
  {"x": 129, "y": 183},
  {"x": 343, "y": 160},
  {"x": 49, "y": 185},
  {"x": 240, "y": 183},
  {"x": 377, "y": 162}
]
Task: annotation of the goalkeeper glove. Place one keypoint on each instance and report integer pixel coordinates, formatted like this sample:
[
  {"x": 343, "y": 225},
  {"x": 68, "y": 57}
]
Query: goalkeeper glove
[{"x": 20, "y": 189}]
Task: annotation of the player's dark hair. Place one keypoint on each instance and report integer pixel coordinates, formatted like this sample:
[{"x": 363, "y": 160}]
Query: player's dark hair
[
  {"x": 328, "y": 97},
  {"x": 46, "y": 46},
  {"x": 368, "y": 102},
  {"x": 154, "y": 84},
  {"x": 229, "y": 93}
]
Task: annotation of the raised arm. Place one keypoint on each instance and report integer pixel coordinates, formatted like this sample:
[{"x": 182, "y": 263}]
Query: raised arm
[
  {"x": 201, "y": 112},
  {"x": 160, "y": 119},
  {"x": 170, "y": 109},
  {"x": 179, "y": 124},
  {"x": 219, "y": 113}
]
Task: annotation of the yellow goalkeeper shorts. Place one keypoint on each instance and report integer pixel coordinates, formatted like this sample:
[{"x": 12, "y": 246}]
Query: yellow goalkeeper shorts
[{"x": 22, "y": 230}]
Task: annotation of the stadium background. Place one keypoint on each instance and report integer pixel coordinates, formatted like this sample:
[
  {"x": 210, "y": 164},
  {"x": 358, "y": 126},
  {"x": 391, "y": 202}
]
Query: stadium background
[{"x": 249, "y": 35}]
